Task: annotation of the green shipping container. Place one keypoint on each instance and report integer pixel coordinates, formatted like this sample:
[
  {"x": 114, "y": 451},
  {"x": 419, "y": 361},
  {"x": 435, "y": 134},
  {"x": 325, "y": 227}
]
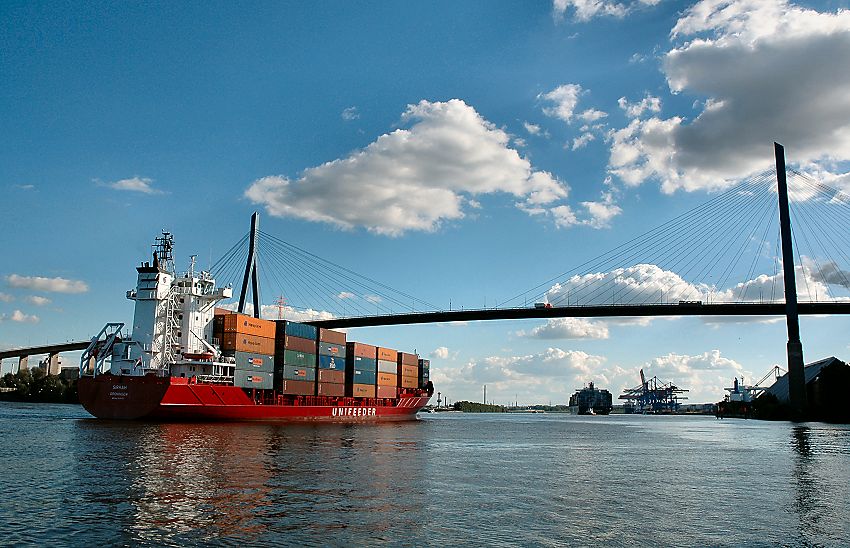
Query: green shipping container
[{"x": 293, "y": 357}]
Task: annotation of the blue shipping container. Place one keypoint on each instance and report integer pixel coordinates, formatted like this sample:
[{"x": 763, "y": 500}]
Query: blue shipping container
[
  {"x": 331, "y": 349},
  {"x": 262, "y": 380},
  {"x": 330, "y": 362},
  {"x": 360, "y": 363},
  {"x": 365, "y": 377},
  {"x": 302, "y": 330}
]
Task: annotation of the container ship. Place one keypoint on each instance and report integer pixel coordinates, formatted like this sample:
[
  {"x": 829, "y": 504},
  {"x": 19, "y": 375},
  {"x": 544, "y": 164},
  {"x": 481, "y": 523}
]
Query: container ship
[
  {"x": 591, "y": 401},
  {"x": 188, "y": 360}
]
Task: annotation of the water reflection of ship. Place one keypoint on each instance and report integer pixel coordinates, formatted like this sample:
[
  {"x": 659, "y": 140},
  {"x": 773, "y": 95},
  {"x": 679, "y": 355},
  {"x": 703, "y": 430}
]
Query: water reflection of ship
[{"x": 591, "y": 401}]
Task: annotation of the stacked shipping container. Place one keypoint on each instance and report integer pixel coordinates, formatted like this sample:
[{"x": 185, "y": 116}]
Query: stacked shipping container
[
  {"x": 250, "y": 341},
  {"x": 332, "y": 353},
  {"x": 301, "y": 360},
  {"x": 296, "y": 350},
  {"x": 408, "y": 370}
]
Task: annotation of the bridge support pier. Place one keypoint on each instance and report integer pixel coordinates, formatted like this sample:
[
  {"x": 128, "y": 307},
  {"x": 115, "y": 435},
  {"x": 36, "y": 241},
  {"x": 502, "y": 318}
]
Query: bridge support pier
[
  {"x": 23, "y": 363},
  {"x": 53, "y": 364}
]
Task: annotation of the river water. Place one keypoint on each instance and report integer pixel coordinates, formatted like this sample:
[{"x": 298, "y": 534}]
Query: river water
[{"x": 447, "y": 479}]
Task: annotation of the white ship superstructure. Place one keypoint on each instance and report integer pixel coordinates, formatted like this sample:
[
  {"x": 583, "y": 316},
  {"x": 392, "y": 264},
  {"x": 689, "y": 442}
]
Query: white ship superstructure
[{"x": 173, "y": 321}]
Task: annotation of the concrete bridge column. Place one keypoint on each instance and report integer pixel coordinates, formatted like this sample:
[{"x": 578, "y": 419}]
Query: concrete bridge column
[
  {"x": 23, "y": 363},
  {"x": 53, "y": 364}
]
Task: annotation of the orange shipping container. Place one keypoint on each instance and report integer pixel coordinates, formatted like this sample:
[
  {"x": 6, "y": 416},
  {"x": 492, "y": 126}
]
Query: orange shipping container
[
  {"x": 363, "y": 390},
  {"x": 335, "y": 337},
  {"x": 387, "y": 379},
  {"x": 409, "y": 371},
  {"x": 409, "y": 382},
  {"x": 248, "y": 325},
  {"x": 331, "y": 376},
  {"x": 247, "y": 343},
  {"x": 408, "y": 359},
  {"x": 362, "y": 350},
  {"x": 386, "y": 392},
  {"x": 387, "y": 354}
]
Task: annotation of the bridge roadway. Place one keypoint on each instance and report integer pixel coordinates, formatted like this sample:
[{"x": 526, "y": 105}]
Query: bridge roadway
[
  {"x": 597, "y": 311},
  {"x": 594, "y": 311}
]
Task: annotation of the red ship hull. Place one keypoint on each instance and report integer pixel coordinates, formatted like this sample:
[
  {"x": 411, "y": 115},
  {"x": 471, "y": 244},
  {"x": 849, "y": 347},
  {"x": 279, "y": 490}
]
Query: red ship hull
[{"x": 177, "y": 399}]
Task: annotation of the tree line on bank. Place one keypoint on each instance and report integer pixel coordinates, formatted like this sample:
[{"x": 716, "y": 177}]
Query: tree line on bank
[{"x": 38, "y": 387}]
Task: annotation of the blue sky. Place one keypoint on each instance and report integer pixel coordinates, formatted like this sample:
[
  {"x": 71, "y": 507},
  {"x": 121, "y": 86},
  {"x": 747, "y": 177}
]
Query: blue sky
[{"x": 459, "y": 151}]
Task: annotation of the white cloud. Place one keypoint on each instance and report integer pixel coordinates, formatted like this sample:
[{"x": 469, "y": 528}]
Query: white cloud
[
  {"x": 752, "y": 61},
  {"x": 38, "y": 300},
  {"x": 6, "y": 298},
  {"x": 415, "y": 178},
  {"x": 650, "y": 283},
  {"x": 636, "y": 110},
  {"x": 565, "y": 99},
  {"x": 273, "y": 311},
  {"x": 532, "y": 129},
  {"x": 591, "y": 115},
  {"x": 568, "y": 328},
  {"x": 582, "y": 140},
  {"x": 600, "y": 213},
  {"x": 135, "y": 184},
  {"x": 54, "y": 285},
  {"x": 346, "y": 295},
  {"x": 831, "y": 273},
  {"x": 441, "y": 352},
  {"x": 24, "y": 187},
  {"x": 374, "y": 299},
  {"x": 585, "y": 10},
  {"x": 350, "y": 114},
  {"x": 20, "y": 317}
]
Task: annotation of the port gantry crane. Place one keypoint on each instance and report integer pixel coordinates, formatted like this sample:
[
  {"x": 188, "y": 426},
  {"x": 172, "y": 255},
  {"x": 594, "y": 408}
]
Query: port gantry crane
[{"x": 653, "y": 396}]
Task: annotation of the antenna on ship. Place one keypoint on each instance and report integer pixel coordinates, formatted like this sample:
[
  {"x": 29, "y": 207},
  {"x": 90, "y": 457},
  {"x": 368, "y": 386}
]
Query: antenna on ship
[{"x": 251, "y": 269}]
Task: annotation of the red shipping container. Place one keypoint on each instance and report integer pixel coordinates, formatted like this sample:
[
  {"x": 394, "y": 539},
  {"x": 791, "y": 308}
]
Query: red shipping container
[
  {"x": 362, "y": 350},
  {"x": 363, "y": 390},
  {"x": 331, "y": 389},
  {"x": 408, "y": 359},
  {"x": 299, "y": 388},
  {"x": 332, "y": 376},
  {"x": 387, "y": 391},
  {"x": 387, "y": 379},
  {"x": 335, "y": 337},
  {"x": 300, "y": 345}
]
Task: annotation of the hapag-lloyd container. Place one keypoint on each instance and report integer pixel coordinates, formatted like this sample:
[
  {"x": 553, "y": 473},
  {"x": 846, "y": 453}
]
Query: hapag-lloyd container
[
  {"x": 249, "y": 361},
  {"x": 247, "y": 325},
  {"x": 387, "y": 379},
  {"x": 247, "y": 343},
  {"x": 330, "y": 362},
  {"x": 334, "y": 337},
  {"x": 408, "y": 359},
  {"x": 363, "y": 390},
  {"x": 409, "y": 382},
  {"x": 409, "y": 371},
  {"x": 263, "y": 380},
  {"x": 385, "y": 366},
  {"x": 387, "y": 354}
]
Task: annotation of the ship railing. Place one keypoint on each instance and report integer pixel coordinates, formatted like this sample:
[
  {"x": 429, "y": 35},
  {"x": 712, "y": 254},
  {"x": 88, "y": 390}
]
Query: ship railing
[{"x": 214, "y": 379}]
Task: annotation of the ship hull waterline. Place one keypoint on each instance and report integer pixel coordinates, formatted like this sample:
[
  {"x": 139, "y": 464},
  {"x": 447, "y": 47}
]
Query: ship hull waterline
[{"x": 176, "y": 399}]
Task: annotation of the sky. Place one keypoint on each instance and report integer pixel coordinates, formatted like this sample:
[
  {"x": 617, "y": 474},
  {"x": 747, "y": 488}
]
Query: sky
[{"x": 460, "y": 152}]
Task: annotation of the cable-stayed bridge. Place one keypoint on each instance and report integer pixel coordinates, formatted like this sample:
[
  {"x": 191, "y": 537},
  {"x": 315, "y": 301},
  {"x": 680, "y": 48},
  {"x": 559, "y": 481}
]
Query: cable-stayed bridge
[{"x": 735, "y": 255}]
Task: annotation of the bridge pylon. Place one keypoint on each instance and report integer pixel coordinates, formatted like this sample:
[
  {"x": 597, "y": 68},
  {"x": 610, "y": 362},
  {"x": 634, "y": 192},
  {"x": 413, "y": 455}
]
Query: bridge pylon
[{"x": 796, "y": 368}]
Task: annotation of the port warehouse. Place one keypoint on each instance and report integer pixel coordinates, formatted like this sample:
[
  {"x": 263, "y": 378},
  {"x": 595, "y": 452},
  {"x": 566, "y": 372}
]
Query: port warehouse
[{"x": 302, "y": 360}]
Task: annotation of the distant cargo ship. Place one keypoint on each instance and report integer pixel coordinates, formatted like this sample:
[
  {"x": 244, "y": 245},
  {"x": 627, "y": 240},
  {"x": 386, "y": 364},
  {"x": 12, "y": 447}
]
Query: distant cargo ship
[
  {"x": 591, "y": 401},
  {"x": 187, "y": 360}
]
